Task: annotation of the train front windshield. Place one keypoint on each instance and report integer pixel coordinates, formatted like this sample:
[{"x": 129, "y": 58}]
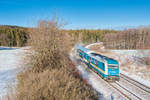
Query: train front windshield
[{"x": 112, "y": 66}]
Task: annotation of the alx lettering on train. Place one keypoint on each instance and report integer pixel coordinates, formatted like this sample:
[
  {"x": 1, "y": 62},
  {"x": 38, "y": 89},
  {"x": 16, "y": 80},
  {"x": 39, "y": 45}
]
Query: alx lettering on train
[{"x": 106, "y": 67}]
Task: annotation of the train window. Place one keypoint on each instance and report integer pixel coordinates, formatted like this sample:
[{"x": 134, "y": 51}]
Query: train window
[
  {"x": 103, "y": 66},
  {"x": 113, "y": 66},
  {"x": 83, "y": 55}
]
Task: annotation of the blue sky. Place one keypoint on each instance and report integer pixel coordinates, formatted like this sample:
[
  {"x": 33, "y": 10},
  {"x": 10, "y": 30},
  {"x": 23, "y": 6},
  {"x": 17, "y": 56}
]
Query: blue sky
[{"x": 92, "y": 14}]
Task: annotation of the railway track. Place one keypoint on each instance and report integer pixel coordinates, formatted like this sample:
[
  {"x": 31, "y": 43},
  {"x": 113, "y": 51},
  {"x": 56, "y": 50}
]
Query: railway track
[
  {"x": 131, "y": 89},
  {"x": 123, "y": 88},
  {"x": 126, "y": 96},
  {"x": 125, "y": 92},
  {"x": 136, "y": 83}
]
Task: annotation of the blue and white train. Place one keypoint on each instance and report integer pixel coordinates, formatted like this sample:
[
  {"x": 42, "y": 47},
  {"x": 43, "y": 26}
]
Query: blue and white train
[{"x": 107, "y": 68}]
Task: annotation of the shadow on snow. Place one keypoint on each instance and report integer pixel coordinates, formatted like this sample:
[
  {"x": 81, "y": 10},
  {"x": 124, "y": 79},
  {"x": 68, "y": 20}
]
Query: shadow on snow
[{"x": 7, "y": 48}]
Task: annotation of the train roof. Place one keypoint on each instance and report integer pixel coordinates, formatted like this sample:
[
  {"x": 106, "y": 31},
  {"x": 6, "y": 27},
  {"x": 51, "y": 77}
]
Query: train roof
[
  {"x": 109, "y": 60},
  {"x": 98, "y": 56}
]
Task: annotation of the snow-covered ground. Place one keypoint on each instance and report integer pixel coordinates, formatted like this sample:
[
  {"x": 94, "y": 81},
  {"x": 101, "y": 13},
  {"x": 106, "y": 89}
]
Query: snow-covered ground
[
  {"x": 138, "y": 53},
  {"x": 10, "y": 65},
  {"x": 131, "y": 62}
]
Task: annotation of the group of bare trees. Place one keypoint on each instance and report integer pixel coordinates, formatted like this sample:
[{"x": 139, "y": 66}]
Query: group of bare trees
[{"x": 128, "y": 39}]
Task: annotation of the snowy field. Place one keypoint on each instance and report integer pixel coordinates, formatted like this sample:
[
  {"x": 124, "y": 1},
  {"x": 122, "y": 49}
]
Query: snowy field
[{"x": 10, "y": 65}]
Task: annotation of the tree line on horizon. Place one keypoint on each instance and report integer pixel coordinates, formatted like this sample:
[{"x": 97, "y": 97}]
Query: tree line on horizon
[
  {"x": 87, "y": 36},
  {"x": 13, "y": 36},
  {"x": 112, "y": 39},
  {"x": 128, "y": 39},
  {"x": 18, "y": 36}
]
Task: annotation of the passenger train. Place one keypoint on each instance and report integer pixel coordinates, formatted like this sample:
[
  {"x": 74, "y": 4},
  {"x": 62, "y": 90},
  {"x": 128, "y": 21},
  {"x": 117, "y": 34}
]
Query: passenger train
[{"x": 106, "y": 67}]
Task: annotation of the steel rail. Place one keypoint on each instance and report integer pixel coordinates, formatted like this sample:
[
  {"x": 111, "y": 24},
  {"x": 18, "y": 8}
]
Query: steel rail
[{"x": 134, "y": 82}]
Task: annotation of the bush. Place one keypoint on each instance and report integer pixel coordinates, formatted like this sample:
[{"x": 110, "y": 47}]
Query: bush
[
  {"x": 50, "y": 75},
  {"x": 53, "y": 85},
  {"x": 48, "y": 42}
]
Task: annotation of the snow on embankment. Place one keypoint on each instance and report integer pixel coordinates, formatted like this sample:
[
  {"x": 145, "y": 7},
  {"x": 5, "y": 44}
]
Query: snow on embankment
[
  {"x": 95, "y": 46},
  {"x": 10, "y": 59},
  {"x": 138, "y": 53},
  {"x": 131, "y": 62}
]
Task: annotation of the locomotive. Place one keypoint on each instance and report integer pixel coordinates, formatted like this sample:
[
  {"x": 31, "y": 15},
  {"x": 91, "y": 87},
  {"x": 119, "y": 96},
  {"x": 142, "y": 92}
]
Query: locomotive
[{"x": 106, "y": 67}]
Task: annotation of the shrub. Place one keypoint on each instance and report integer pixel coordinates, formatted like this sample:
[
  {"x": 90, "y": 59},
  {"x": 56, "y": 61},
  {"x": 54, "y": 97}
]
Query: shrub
[
  {"x": 49, "y": 75},
  {"x": 53, "y": 85}
]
